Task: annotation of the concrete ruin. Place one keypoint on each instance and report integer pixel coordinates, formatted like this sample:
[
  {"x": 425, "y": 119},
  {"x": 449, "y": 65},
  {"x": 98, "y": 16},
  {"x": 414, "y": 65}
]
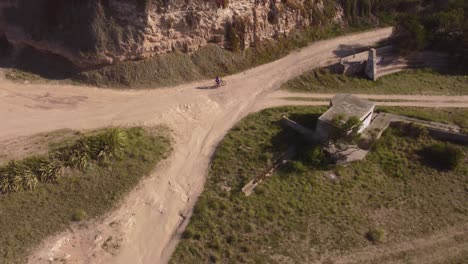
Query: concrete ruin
[
  {"x": 378, "y": 62},
  {"x": 345, "y": 105},
  {"x": 371, "y": 65},
  {"x": 371, "y": 130}
]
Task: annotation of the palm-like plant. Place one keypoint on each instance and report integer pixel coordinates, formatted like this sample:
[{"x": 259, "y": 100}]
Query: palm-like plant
[
  {"x": 12, "y": 172},
  {"x": 108, "y": 145},
  {"x": 29, "y": 181},
  {"x": 76, "y": 155},
  {"x": 49, "y": 171},
  {"x": 4, "y": 180},
  {"x": 16, "y": 183},
  {"x": 21, "y": 175},
  {"x": 118, "y": 142}
]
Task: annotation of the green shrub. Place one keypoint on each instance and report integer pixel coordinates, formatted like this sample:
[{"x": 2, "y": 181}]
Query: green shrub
[
  {"x": 346, "y": 130},
  {"x": 187, "y": 234},
  {"x": 376, "y": 236},
  {"x": 312, "y": 156},
  {"x": 442, "y": 156},
  {"x": 297, "y": 166},
  {"x": 79, "y": 215}
]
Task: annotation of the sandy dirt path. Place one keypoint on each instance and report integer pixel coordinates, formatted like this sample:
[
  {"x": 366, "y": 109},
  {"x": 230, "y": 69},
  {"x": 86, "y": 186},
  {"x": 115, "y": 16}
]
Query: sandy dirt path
[
  {"x": 281, "y": 97},
  {"x": 145, "y": 227},
  {"x": 415, "y": 98},
  {"x": 447, "y": 244}
]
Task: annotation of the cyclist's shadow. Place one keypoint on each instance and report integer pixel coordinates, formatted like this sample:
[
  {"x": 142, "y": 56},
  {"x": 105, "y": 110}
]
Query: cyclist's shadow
[{"x": 207, "y": 87}]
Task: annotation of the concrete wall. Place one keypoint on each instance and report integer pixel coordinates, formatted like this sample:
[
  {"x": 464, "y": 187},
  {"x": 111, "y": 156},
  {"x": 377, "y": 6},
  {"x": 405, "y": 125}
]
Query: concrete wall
[
  {"x": 448, "y": 136},
  {"x": 379, "y": 62},
  {"x": 366, "y": 122},
  {"x": 354, "y": 64},
  {"x": 309, "y": 134},
  {"x": 371, "y": 66},
  {"x": 323, "y": 130}
]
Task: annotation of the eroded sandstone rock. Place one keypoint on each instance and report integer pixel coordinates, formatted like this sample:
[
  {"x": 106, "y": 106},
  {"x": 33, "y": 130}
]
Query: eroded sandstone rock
[{"x": 94, "y": 32}]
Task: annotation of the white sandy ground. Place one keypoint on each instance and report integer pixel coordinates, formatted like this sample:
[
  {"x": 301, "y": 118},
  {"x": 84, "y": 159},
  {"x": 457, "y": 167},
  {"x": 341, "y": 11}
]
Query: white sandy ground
[{"x": 147, "y": 225}]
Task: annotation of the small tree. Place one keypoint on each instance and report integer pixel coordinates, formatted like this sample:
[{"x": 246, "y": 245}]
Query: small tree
[
  {"x": 346, "y": 131},
  {"x": 410, "y": 33}
]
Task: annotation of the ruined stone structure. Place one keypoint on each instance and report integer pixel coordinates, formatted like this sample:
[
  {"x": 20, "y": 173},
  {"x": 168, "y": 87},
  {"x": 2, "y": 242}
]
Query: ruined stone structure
[
  {"x": 93, "y": 32},
  {"x": 345, "y": 105},
  {"x": 382, "y": 61},
  {"x": 373, "y": 127}
]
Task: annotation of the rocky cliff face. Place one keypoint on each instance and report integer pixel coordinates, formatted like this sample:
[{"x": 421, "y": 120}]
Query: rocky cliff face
[{"x": 94, "y": 32}]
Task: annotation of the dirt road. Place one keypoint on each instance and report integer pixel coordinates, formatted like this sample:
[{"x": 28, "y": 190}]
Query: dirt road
[
  {"x": 281, "y": 97},
  {"x": 146, "y": 225},
  {"x": 448, "y": 244}
]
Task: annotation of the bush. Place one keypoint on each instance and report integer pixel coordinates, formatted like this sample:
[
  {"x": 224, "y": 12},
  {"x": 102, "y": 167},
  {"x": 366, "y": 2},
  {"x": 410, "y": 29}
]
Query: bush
[
  {"x": 79, "y": 215},
  {"x": 297, "y": 166},
  {"x": 346, "y": 131},
  {"x": 442, "y": 156},
  {"x": 188, "y": 233},
  {"x": 312, "y": 156},
  {"x": 410, "y": 33},
  {"x": 376, "y": 236}
]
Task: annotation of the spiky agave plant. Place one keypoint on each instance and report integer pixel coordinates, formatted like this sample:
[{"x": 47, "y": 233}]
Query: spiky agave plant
[
  {"x": 50, "y": 171},
  {"x": 13, "y": 173},
  {"x": 80, "y": 154},
  {"x": 118, "y": 141},
  {"x": 29, "y": 181},
  {"x": 4, "y": 180},
  {"x": 108, "y": 145},
  {"x": 45, "y": 169},
  {"x": 33, "y": 163},
  {"x": 16, "y": 183},
  {"x": 21, "y": 175}
]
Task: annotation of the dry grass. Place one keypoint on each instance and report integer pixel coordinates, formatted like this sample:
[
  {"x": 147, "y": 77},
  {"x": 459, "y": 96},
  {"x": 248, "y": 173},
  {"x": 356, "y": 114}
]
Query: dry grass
[
  {"x": 30, "y": 216},
  {"x": 422, "y": 82},
  {"x": 298, "y": 216}
]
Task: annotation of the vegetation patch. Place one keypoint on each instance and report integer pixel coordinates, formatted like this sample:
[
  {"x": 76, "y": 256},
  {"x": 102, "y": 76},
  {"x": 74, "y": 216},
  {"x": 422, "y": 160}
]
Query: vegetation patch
[
  {"x": 80, "y": 178},
  {"x": 376, "y": 235},
  {"x": 421, "y": 82},
  {"x": 22, "y": 76},
  {"x": 306, "y": 210},
  {"x": 102, "y": 149},
  {"x": 442, "y": 156}
]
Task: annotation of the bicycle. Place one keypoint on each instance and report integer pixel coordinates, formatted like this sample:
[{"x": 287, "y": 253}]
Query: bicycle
[{"x": 221, "y": 83}]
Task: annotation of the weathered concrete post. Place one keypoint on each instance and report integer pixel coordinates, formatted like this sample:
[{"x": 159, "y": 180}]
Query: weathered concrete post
[{"x": 371, "y": 67}]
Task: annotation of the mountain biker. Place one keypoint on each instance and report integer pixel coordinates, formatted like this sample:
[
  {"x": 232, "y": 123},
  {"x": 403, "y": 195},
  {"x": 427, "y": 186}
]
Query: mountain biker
[{"x": 218, "y": 81}]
